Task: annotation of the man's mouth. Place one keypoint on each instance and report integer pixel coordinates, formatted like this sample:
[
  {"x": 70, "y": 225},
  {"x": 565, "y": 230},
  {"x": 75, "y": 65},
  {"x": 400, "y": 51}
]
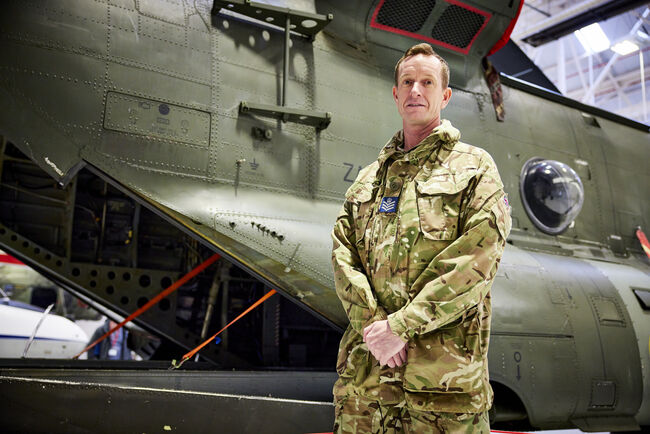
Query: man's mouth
[{"x": 414, "y": 105}]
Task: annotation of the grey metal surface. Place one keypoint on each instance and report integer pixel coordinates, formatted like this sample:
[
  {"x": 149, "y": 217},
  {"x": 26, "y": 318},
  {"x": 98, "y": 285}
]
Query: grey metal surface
[
  {"x": 567, "y": 332},
  {"x": 305, "y": 23},
  {"x": 117, "y": 286},
  {"x": 238, "y": 189},
  {"x": 296, "y": 385},
  {"x": 320, "y": 120},
  {"x": 99, "y": 408}
]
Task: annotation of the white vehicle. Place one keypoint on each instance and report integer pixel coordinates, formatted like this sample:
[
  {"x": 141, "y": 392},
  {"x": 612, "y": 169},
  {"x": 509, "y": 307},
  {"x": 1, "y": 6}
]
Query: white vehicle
[{"x": 56, "y": 337}]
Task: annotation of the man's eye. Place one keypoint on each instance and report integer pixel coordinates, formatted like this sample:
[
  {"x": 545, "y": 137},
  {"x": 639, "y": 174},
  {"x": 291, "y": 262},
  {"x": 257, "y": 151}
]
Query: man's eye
[
  {"x": 429, "y": 82},
  {"x": 408, "y": 82}
]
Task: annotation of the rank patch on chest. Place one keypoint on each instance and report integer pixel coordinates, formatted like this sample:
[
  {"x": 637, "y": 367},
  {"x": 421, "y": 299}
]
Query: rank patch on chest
[{"x": 388, "y": 204}]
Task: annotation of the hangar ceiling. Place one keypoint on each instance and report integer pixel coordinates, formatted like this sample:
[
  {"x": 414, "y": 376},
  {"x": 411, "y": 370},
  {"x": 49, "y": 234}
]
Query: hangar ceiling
[{"x": 609, "y": 67}]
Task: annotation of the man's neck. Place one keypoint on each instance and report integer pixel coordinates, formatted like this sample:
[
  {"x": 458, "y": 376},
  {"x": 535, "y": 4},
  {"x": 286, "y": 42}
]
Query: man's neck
[{"x": 414, "y": 134}]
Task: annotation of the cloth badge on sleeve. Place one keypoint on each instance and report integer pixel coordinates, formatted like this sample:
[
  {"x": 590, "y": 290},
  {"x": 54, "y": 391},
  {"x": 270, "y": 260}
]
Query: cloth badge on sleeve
[{"x": 388, "y": 204}]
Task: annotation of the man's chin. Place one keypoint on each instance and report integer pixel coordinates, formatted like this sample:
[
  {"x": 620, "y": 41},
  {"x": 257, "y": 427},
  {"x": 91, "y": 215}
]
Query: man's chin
[{"x": 418, "y": 121}]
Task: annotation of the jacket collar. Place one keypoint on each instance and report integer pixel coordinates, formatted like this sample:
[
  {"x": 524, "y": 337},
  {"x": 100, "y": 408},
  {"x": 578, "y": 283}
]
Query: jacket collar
[{"x": 443, "y": 134}]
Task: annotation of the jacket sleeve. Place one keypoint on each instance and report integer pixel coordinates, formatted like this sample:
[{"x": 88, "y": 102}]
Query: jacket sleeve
[
  {"x": 460, "y": 276},
  {"x": 352, "y": 285}
]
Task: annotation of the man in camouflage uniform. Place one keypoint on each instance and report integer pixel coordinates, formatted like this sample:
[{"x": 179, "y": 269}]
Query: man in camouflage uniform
[{"x": 416, "y": 248}]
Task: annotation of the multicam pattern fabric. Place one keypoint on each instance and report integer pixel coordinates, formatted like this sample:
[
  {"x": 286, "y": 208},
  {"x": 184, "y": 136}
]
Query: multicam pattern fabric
[
  {"x": 427, "y": 267},
  {"x": 357, "y": 414}
]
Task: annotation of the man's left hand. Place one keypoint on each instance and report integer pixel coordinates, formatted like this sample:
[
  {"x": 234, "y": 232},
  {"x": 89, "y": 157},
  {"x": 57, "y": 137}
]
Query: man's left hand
[{"x": 382, "y": 342}]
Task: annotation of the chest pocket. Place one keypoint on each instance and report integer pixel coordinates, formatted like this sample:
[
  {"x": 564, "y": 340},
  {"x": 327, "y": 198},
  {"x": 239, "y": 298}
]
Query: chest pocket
[{"x": 439, "y": 199}]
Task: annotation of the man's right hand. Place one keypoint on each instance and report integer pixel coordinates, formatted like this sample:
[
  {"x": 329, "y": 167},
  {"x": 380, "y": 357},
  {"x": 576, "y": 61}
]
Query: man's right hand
[
  {"x": 398, "y": 359},
  {"x": 388, "y": 348}
]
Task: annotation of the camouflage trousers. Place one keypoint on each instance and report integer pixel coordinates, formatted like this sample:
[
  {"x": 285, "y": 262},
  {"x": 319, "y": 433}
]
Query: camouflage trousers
[{"x": 359, "y": 415}]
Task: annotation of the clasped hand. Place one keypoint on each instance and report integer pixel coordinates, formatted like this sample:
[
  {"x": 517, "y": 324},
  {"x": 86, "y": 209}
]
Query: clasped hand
[{"x": 385, "y": 345}]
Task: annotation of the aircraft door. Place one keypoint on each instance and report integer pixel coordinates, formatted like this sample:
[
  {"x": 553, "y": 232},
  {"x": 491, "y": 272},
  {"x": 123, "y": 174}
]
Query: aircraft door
[
  {"x": 533, "y": 343},
  {"x": 607, "y": 356}
]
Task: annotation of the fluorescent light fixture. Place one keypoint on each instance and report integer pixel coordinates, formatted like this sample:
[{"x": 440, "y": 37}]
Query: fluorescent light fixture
[
  {"x": 625, "y": 47},
  {"x": 592, "y": 38}
]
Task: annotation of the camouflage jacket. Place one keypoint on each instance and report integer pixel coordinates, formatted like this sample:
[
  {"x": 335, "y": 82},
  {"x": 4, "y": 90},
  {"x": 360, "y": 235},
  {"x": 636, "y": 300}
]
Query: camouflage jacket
[{"x": 418, "y": 243}]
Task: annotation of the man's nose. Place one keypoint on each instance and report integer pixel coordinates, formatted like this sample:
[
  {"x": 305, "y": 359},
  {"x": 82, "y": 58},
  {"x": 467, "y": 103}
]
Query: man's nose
[{"x": 415, "y": 90}]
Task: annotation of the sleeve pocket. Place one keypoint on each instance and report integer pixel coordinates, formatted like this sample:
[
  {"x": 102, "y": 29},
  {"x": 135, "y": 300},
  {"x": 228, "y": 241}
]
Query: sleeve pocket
[{"x": 501, "y": 211}]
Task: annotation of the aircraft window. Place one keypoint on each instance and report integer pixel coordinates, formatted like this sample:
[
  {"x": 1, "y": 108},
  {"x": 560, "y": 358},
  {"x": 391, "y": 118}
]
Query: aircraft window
[{"x": 552, "y": 194}]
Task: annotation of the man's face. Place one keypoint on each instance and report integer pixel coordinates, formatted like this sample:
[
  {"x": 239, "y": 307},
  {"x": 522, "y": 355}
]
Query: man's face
[{"x": 419, "y": 94}]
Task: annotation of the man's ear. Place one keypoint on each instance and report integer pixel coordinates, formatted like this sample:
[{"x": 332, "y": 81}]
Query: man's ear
[
  {"x": 395, "y": 94},
  {"x": 446, "y": 96}
]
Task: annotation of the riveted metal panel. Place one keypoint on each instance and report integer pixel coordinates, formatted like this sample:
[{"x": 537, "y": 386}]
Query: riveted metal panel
[
  {"x": 602, "y": 336},
  {"x": 150, "y": 154},
  {"x": 526, "y": 363},
  {"x": 158, "y": 85},
  {"x": 173, "y": 12},
  {"x": 151, "y": 118},
  {"x": 608, "y": 311},
  {"x": 72, "y": 20},
  {"x": 155, "y": 53},
  {"x": 603, "y": 394}
]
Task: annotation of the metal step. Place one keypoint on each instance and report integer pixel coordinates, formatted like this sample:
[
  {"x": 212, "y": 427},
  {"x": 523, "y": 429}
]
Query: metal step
[{"x": 51, "y": 399}]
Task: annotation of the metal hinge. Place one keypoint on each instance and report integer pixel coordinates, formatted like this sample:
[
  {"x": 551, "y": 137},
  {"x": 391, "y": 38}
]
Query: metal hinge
[
  {"x": 320, "y": 120},
  {"x": 303, "y": 23}
]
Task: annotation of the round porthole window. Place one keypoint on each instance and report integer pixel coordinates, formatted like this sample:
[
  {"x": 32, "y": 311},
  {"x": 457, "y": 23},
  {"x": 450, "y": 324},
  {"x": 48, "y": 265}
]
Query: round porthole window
[{"x": 552, "y": 194}]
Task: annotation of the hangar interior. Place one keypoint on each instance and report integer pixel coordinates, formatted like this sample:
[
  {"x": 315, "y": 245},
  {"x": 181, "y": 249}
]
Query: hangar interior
[
  {"x": 94, "y": 235},
  {"x": 593, "y": 51}
]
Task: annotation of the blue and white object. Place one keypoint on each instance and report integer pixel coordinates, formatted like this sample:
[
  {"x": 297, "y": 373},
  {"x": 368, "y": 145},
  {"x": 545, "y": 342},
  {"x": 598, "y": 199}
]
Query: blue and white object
[
  {"x": 56, "y": 338},
  {"x": 388, "y": 204}
]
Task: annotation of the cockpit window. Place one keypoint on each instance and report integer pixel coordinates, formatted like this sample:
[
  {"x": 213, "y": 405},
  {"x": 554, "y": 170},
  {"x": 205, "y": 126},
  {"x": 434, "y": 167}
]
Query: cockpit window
[{"x": 552, "y": 194}]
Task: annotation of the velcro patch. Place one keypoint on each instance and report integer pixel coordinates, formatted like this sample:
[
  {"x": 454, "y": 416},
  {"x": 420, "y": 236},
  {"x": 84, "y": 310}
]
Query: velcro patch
[{"x": 388, "y": 204}]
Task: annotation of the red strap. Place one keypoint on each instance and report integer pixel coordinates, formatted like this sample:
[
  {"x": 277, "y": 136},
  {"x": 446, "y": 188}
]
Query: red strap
[
  {"x": 180, "y": 282},
  {"x": 644, "y": 241},
  {"x": 241, "y": 315}
]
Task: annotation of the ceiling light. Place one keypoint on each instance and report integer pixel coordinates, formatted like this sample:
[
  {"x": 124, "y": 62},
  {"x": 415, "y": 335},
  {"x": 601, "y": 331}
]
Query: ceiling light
[
  {"x": 592, "y": 38},
  {"x": 625, "y": 47}
]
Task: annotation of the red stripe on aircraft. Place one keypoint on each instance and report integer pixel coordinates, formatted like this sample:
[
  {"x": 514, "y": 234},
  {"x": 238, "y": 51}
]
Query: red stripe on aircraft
[
  {"x": 644, "y": 241},
  {"x": 8, "y": 259}
]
